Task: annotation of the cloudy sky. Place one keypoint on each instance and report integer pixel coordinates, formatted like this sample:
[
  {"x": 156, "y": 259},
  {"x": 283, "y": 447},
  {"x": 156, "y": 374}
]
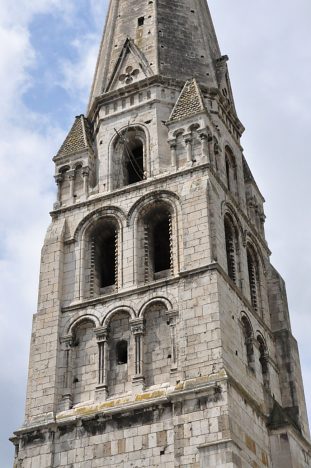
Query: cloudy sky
[{"x": 47, "y": 58}]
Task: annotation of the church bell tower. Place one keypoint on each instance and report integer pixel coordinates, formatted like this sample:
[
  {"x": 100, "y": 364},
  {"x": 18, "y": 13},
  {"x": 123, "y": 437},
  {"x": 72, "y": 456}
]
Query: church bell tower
[{"x": 162, "y": 336}]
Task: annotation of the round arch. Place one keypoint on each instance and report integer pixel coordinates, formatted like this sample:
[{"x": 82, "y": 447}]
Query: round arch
[
  {"x": 92, "y": 218},
  {"x": 156, "y": 300},
  {"x": 227, "y": 208},
  {"x": 141, "y": 129},
  {"x": 83, "y": 318},
  {"x": 252, "y": 242},
  {"x": 129, "y": 310},
  {"x": 168, "y": 204},
  {"x": 247, "y": 324},
  {"x": 157, "y": 196}
]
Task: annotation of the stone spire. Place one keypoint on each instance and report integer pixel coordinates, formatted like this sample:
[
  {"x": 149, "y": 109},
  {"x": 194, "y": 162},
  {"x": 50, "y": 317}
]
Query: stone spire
[{"x": 174, "y": 39}]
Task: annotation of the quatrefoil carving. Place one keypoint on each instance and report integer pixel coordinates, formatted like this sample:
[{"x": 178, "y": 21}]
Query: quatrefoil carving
[{"x": 129, "y": 75}]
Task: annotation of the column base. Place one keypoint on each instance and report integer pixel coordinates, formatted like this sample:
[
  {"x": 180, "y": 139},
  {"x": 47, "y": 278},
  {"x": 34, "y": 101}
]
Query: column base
[
  {"x": 138, "y": 384},
  {"x": 101, "y": 393},
  {"x": 66, "y": 403}
]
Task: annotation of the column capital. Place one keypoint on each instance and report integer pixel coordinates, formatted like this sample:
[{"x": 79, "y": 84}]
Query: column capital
[
  {"x": 187, "y": 138},
  {"x": 85, "y": 171},
  {"x": 67, "y": 341},
  {"x": 101, "y": 334},
  {"x": 137, "y": 326},
  {"x": 203, "y": 134},
  {"x": 71, "y": 174},
  {"x": 172, "y": 316},
  {"x": 59, "y": 178}
]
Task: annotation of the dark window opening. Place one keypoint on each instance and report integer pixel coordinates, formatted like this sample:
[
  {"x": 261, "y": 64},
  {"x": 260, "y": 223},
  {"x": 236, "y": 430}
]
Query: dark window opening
[
  {"x": 161, "y": 245},
  {"x": 105, "y": 239},
  {"x": 135, "y": 162},
  {"x": 130, "y": 157},
  {"x": 253, "y": 279},
  {"x": 228, "y": 174},
  {"x": 121, "y": 352},
  {"x": 230, "y": 250},
  {"x": 158, "y": 260},
  {"x": 141, "y": 21}
]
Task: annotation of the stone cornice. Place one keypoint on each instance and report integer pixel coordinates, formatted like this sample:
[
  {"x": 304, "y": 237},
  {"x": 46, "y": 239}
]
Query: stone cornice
[{"x": 208, "y": 386}]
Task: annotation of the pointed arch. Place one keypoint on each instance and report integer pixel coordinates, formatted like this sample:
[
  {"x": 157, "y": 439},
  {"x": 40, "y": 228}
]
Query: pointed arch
[{"x": 129, "y": 48}]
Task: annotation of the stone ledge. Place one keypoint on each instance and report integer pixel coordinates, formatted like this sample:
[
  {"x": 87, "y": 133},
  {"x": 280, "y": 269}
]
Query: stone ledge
[{"x": 206, "y": 388}]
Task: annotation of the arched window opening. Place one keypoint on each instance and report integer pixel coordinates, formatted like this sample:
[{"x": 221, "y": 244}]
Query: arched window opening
[
  {"x": 248, "y": 340},
  {"x": 253, "y": 274},
  {"x": 104, "y": 258},
  {"x": 161, "y": 244},
  {"x": 264, "y": 361},
  {"x": 231, "y": 171},
  {"x": 129, "y": 158},
  {"x": 158, "y": 237},
  {"x": 231, "y": 248},
  {"x": 121, "y": 352},
  {"x": 134, "y": 157}
]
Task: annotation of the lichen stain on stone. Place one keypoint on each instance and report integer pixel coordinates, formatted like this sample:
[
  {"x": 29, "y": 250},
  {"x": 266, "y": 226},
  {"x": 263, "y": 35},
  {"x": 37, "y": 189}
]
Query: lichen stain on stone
[
  {"x": 87, "y": 410},
  {"x": 113, "y": 403},
  {"x": 149, "y": 396}
]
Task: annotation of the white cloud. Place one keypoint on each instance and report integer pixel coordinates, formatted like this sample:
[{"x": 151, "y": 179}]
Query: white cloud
[
  {"x": 23, "y": 11},
  {"x": 77, "y": 75},
  {"x": 28, "y": 142}
]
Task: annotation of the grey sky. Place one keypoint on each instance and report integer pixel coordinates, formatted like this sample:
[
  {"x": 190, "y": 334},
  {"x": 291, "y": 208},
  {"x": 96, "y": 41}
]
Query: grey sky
[{"x": 268, "y": 43}]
